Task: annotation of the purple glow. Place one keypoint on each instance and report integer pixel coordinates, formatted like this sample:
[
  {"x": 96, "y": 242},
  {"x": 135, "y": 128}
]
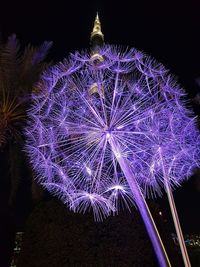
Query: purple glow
[
  {"x": 100, "y": 136},
  {"x": 136, "y": 103}
]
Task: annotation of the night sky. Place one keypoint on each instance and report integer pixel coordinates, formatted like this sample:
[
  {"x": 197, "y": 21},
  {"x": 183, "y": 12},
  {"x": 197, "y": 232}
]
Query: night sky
[{"x": 170, "y": 32}]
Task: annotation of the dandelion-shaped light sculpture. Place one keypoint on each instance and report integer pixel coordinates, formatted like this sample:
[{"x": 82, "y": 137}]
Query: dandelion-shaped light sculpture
[{"x": 109, "y": 128}]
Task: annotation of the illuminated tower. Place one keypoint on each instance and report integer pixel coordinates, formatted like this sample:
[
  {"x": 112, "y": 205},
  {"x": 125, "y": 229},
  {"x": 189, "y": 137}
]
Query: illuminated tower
[
  {"x": 96, "y": 37},
  {"x": 96, "y": 42}
]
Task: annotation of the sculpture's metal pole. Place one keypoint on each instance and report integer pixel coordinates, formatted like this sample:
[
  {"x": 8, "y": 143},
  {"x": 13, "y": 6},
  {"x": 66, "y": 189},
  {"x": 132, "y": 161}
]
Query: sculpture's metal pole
[
  {"x": 175, "y": 217},
  {"x": 142, "y": 205}
]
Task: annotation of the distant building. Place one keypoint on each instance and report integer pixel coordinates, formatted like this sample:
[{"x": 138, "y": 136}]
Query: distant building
[
  {"x": 17, "y": 248},
  {"x": 192, "y": 240}
]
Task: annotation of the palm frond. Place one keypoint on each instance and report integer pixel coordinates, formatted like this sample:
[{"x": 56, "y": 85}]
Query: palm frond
[
  {"x": 19, "y": 73},
  {"x": 41, "y": 52},
  {"x": 9, "y": 61}
]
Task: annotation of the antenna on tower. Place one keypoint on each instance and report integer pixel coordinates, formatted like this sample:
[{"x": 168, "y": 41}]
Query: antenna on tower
[{"x": 96, "y": 40}]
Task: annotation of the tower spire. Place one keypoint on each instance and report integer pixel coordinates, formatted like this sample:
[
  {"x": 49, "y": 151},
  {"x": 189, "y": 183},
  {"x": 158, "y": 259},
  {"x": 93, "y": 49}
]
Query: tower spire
[
  {"x": 97, "y": 29},
  {"x": 96, "y": 36},
  {"x": 96, "y": 42}
]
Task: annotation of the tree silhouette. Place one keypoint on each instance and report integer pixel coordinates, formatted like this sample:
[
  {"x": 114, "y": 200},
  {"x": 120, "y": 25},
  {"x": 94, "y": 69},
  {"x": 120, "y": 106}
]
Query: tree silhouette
[{"x": 20, "y": 70}]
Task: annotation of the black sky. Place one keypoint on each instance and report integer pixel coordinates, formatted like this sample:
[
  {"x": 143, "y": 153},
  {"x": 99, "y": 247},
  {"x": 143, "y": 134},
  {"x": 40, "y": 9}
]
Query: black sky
[{"x": 168, "y": 31}]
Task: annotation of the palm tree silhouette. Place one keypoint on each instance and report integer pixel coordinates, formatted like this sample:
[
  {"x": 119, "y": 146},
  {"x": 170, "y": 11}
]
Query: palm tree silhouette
[{"x": 20, "y": 69}]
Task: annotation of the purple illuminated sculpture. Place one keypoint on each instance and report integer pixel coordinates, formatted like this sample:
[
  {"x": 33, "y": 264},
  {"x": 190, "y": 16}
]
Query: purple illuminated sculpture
[{"x": 103, "y": 133}]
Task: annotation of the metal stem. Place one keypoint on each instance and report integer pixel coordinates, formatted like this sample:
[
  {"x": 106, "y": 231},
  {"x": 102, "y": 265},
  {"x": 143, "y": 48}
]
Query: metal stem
[
  {"x": 175, "y": 217},
  {"x": 142, "y": 206}
]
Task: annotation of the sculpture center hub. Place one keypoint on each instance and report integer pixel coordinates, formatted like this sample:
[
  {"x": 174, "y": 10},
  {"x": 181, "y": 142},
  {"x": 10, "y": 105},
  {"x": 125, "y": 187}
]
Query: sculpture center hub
[{"x": 107, "y": 132}]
